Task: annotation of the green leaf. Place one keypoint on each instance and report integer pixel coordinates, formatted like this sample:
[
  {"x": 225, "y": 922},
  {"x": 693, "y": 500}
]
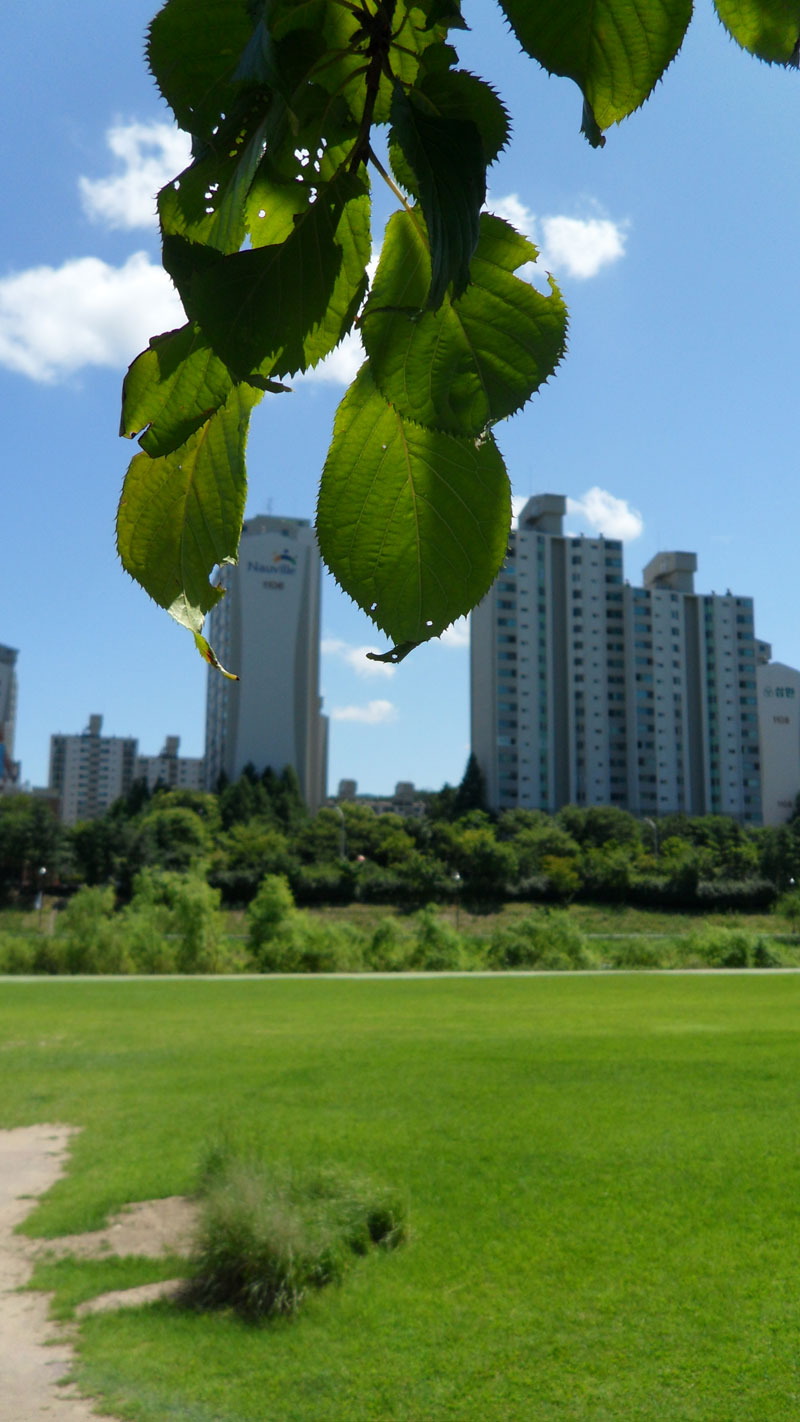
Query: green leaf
[
  {"x": 193, "y": 49},
  {"x": 615, "y": 50},
  {"x": 181, "y": 514},
  {"x": 447, "y": 157},
  {"x": 171, "y": 389},
  {"x": 412, "y": 522},
  {"x": 457, "y": 94},
  {"x": 475, "y": 360},
  {"x": 206, "y": 202},
  {"x": 264, "y": 304},
  {"x": 403, "y": 38},
  {"x": 767, "y": 28}
]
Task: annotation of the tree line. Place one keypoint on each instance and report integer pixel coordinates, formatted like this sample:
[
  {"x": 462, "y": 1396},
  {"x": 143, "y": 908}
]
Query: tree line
[{"x": 457, "y": 851}]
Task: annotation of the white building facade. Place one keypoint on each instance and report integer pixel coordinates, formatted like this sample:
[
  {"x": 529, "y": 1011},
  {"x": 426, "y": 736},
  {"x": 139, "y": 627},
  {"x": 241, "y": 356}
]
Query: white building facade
[
  {"x": 779, "y": 725},
  {"x": 90, "y": 771},
  {"x": 267, "y": 630},
  {"x": 9, "y": 770},
  {"x": 587, "y": 691},
  {"x": 170, "y": 770}
]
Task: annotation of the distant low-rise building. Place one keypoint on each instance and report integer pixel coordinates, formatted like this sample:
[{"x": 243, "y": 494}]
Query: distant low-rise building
[
  {"x": 405, "y": 800},
  {"x": 173, "y": 771}
]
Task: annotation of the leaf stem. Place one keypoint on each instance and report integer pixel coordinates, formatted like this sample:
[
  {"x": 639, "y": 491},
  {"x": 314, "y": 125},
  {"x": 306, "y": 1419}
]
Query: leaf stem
[{"x": 387, "y": 178}]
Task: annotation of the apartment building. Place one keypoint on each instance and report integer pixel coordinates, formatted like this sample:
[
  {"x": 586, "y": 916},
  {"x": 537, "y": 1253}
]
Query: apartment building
[{"x": 588, "y": 691}]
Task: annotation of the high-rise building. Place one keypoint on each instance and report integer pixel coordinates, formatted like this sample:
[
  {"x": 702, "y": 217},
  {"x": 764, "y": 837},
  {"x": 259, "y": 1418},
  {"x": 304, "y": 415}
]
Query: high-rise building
[
  {"x": 173, "y": 771},
  {"x": 779, "y": 729},
  {"x": 90, "y": 771},
  {"x": 588, "y": 691},
  {"x": 9, "y": 769},
  {"x": 266, "y": 629}
]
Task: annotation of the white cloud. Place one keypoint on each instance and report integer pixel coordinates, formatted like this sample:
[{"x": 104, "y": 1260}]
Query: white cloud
[
  {"x": 457, "y": 635},
  {"x": 356, "y": 658},
  {"x": 375, "y": 713},
  {"x": 607, "y": 514},
  {"x": 53, "y": 320},
  {"x": 514, "y": 211},
  {"x": 341, "y": 366},
  {"x": 578, "y": 247},
  {"x": 151, "y": 154}
]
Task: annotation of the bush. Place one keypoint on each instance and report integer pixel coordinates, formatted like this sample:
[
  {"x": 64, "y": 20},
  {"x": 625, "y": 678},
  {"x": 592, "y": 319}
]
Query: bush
[
  {"x": 547, "y": 940},
  {"x": 633, "y": 953},
  {"x": 17, "y": 955},
  {"x": 436, "y": 947},
  {"x": 87, "y": 939},
  {"x": 182, "y": 908},
  {"x": 716, "y": 947},
  {"x": 265, "y": 1237},
  {"x": 282, "y": 939},
  {"x": 788, "y": 907},
  {"x": 388, "y": 948},
  {"x": 273, "y": 924}
]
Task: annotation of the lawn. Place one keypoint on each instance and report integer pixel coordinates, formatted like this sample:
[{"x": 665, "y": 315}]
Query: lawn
[{"x": 602, "y": 1177}]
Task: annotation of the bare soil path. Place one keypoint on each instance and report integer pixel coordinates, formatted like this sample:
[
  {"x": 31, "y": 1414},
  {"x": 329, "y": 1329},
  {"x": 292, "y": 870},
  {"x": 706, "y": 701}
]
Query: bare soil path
[{"x": 34, "y": 1353}]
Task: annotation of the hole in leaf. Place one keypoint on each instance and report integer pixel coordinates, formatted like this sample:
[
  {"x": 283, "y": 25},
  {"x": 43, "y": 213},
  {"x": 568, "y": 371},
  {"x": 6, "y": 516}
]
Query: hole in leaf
[
  {"x": 429, "y": 622},
  {"x": 262, "y": 212}
]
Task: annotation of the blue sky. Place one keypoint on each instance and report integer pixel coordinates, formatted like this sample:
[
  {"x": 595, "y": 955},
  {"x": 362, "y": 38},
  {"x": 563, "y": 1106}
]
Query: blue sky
[{"x": 672, "y": 423}]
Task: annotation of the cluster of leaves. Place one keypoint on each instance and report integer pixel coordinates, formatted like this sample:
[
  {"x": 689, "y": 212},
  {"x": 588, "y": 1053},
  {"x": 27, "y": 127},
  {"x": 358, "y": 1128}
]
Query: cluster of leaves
[{"x": 266, "y": 236}]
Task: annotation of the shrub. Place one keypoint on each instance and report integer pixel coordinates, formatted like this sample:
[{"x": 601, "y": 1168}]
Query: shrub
[
  {"x": 265, "y": 1236},
  {"x": 17, "y": 955},
  {"x": 182, "y": 906},
  {"x": 788, "y": 907},
  {"x": 87, "y": 938},
  {"x": 633, "y": 953},
  {"x": 388, "y": 948},
  {"x": 273, "y": 924},
  {"x": 436, "y": 946},
  {"x": 547, "y": 940},
  {"x": 717, "y": 947}
]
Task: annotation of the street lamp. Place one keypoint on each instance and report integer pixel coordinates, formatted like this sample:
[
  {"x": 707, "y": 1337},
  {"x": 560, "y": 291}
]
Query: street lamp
[
  {"x": 40, "y": 892},
  {"x": 654, "y": 828},
  {"x": 457, "y": 886}
]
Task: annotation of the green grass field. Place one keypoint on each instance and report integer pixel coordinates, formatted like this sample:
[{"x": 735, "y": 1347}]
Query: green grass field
[{"x": 602, "y": 1177}]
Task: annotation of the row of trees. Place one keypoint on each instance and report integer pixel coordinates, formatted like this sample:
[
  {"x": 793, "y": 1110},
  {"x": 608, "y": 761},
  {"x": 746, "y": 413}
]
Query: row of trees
[{"x": 259, "y": 825}]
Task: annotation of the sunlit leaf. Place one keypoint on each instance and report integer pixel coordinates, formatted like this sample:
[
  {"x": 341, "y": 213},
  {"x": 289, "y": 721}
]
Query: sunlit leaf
[
  {"x": 171, "y": 389},
  {"x": 262, "y": 304},
  {"x": 615, "y": 50},
  {"x": 180, "y": 515},
  {"x": 767, "y": 28},
  {"x": 412, "y": 522},
  {"x": 193, "y": 49},
  {"x": 475, "y": 360}
]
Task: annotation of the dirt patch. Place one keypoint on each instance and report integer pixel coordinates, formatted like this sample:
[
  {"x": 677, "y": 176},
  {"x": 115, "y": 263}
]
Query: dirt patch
[
  {"x": 34, "y": 1352},
  {"x": 149, "y": 1229}
]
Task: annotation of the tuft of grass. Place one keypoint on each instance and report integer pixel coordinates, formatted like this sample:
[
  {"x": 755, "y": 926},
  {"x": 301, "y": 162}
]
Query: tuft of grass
[{"x": 267, "y": 1236}]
